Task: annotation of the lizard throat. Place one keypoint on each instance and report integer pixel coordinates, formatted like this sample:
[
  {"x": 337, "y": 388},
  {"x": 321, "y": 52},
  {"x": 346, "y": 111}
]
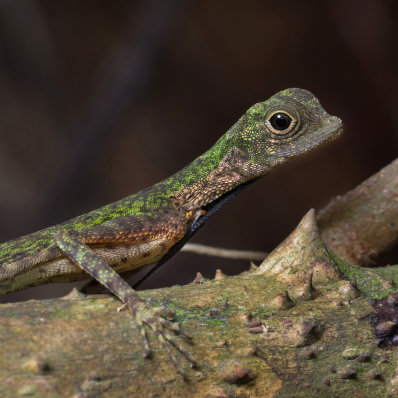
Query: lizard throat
[{"x": 233, "y": 170}]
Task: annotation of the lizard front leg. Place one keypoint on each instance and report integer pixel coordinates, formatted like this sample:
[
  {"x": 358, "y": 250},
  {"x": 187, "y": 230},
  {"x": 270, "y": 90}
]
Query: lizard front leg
[{"x": 142, "y": 313}]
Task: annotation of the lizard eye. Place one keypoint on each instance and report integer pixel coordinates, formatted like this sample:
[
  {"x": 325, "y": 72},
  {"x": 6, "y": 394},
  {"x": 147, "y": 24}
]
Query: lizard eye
[{"x": 280, "y": 123}]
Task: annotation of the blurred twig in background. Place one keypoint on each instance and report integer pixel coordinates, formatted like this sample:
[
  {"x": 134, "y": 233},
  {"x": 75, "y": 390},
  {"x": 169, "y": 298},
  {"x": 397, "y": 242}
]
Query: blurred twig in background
[{"x": 225, "y": 253}]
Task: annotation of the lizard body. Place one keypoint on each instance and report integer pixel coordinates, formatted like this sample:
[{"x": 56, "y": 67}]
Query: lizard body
[{"x": 125, "y": 236}]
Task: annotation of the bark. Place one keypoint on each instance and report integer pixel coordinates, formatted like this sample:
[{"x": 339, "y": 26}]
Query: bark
[
  {"x": 362, "y": 225},
  {"x": 305, "y": 323}
]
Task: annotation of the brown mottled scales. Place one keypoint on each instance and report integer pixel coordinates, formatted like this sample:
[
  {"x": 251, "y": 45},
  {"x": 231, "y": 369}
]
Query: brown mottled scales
[{"x": 114, "y": 242}]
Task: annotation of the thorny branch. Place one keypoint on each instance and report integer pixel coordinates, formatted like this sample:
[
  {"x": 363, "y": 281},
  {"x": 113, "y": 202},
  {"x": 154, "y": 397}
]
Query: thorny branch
[{"x": 275, "y": 331}]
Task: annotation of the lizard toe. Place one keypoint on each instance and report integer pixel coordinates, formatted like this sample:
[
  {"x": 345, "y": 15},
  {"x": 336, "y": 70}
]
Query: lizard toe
[
  {"x": 141, "y": 330},
  {"x": 167, "y": 348},
  {"x": 176, "y": 327},
  {"x": 179, "y": 347}
]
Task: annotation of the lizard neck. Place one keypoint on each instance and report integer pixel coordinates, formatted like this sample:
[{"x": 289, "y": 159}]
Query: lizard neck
[{"x": 218, "y": 171}]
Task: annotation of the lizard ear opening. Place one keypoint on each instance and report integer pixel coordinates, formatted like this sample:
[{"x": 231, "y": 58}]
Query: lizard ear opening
[{"x": 280, "y": 122}]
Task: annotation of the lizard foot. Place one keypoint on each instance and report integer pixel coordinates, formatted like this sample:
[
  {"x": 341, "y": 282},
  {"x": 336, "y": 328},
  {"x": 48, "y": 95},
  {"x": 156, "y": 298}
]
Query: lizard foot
[{"x": 142, "y": 313}]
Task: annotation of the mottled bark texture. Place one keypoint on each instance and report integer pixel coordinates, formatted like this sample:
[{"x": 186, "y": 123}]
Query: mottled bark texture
[
  {"x": 303, "y": 324},
  {"x": 363, "y": 224}
]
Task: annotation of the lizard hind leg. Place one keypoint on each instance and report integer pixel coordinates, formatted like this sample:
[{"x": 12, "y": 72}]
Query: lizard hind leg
[{"x": 142, "y": 313}]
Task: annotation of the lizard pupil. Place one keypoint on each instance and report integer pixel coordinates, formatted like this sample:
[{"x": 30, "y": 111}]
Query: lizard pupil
[{"x": 280, "y": 121}]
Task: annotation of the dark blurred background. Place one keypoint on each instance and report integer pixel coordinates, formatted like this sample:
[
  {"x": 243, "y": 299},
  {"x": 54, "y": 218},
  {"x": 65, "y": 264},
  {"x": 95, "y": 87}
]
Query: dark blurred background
[{"x": 100, "y": 99}]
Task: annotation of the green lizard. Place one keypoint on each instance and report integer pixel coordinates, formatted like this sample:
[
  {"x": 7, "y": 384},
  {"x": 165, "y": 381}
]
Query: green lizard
[{"x": 114, "y": 242}]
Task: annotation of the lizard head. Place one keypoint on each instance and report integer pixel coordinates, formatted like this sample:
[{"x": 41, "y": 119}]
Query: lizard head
[
  {"x": 290, "y": 123},
  {"x": 270, "y": 133}
]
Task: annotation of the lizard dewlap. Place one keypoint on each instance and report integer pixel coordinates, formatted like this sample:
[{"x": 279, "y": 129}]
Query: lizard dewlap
[{"x": 114, "y": 242}]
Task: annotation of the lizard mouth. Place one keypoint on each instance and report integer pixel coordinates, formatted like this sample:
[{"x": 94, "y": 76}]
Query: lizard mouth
[{"x": 329, "y": 132}]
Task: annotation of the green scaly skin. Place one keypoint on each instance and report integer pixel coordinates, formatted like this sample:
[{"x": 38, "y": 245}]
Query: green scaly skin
[{"x": 125, "y": 236}]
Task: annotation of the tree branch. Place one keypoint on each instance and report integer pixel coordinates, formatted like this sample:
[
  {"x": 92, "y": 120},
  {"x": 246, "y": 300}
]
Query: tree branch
[{"x": 362, "y": 225}]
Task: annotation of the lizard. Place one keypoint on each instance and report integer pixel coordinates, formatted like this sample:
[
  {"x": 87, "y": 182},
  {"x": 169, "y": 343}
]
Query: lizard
[{"x": 119, "y": 239}]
